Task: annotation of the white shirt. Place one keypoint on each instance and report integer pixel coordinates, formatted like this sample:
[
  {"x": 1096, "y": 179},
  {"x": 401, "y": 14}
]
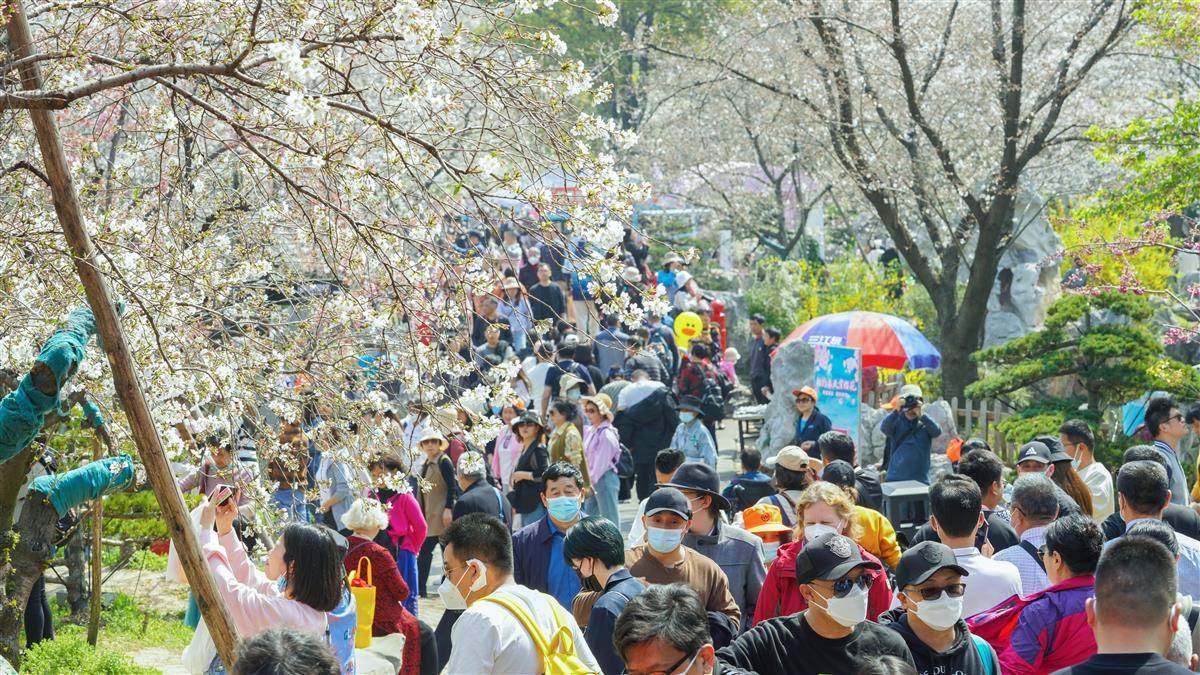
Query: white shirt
[
  {"x": 537, "y": 375},
  {"x": 989, "y": 582},
  {"x": 488, "y": 638},
  {"x": 1033, "y": 577},
  {"x": 1100, "y": 484}
]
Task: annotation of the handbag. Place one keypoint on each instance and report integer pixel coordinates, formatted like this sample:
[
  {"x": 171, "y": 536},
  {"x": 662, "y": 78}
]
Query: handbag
[{"x": 364, "y": 599}]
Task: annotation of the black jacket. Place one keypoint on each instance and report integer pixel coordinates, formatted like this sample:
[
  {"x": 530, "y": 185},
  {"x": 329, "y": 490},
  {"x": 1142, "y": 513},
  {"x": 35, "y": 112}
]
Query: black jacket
[
  {"x": 786, "y": 645},
  {"x": 647, "y": 426},
  {"x": 962, "y": 657},
  {"x": 870, "y": 492},
  {"x": 1181, "y": 518},
  {"x": 481, "y": 497},
  {"x": 526, "y": 496}
]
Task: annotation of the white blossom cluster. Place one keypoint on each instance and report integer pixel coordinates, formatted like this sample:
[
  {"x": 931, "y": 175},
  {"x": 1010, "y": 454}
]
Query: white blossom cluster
[{"x": 287, "y": 200}]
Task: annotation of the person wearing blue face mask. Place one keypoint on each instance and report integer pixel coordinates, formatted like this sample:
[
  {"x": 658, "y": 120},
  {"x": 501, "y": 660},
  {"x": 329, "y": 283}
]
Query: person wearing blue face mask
[
  {"x": 691, "y": 436},
  {"x": 663, "y": 559},
  {"x": 538, "y": 561}
]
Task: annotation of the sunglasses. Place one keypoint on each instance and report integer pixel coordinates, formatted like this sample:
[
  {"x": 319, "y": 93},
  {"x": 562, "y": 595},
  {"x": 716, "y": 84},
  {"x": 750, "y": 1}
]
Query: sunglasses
[
  {"x": 844, "y": 585},
  {"x": 953, "y": 590}
]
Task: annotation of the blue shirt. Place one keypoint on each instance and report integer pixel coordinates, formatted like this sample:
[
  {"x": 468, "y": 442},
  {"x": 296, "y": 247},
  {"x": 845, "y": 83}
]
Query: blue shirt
[
  {"x": 911, "y": 443},
  {"x": 561, "y": 579},
  {"x": 620, "y": 589},
  {"x": 1189, "y": 561}
]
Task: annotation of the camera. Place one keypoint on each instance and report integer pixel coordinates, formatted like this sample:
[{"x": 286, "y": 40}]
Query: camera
[{"x": 909, "y": 402}]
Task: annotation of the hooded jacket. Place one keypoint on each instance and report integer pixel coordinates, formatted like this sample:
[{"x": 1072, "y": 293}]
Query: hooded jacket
[
  {"x": 739, "y": 554},
  {"x": 648, "y": 425},
  {"x": 962, "y": 656},
  {"x": 780, "y": 593}
]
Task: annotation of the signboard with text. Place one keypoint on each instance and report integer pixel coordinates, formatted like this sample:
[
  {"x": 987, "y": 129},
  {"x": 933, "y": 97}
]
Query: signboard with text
[{"x": 837, "y": 379}]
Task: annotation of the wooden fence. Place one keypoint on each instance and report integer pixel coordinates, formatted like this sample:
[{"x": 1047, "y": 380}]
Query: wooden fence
[{"x": 975, "y": 419}]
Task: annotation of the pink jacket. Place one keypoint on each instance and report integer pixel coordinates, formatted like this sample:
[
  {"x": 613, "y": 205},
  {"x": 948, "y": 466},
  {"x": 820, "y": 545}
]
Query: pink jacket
[
  {"x": 509, "y": 445},
  {"x": 727, "y": 368},
  {"x": 252, "y": 598},
  {"x": 406, "y": 523}
]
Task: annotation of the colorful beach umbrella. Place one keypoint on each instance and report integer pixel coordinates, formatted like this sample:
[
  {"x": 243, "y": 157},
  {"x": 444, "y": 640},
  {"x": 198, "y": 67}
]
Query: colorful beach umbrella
[{"x": 882, "y": 339}]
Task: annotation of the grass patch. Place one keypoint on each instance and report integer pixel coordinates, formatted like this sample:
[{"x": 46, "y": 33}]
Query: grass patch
[
  {"x": 126, "y": 627},
  {"x": 72, "y": 654}
]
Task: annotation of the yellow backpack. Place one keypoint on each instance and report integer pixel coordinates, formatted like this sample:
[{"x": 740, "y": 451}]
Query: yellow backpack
[{"x": 558, "y": 653}]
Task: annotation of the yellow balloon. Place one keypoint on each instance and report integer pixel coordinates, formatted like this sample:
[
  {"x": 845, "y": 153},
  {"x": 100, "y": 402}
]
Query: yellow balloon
[{"x": 687, "y": 328}]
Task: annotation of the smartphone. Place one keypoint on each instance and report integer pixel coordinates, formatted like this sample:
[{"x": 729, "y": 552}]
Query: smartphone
[
  {"x": 228, "y": 496},
  {"x": 981, "y": 535}
]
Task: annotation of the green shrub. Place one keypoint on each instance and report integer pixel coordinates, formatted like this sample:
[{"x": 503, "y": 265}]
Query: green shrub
[
  {"x": 72, "y": 654},
  {"x": 138, "y": 502},
  {"x": 143, "y": 559}
]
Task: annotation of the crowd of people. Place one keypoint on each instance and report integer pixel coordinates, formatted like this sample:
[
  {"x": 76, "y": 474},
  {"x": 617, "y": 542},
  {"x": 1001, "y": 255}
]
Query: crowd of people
[{"x": 788, "y": 567}]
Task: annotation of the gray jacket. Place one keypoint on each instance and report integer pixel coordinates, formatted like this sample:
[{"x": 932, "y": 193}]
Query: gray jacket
[{"x": 739, "y": 554}]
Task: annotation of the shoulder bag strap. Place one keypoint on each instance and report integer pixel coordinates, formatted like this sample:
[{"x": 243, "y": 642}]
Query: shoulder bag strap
[
  {"x": 500, "y": 506},
  {"x": 516, "y": 610},
  {"x": 985, "y": 654},
  {"x": 1032, "y": 550}
]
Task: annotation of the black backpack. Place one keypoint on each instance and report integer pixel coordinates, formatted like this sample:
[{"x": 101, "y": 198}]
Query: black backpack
[{"x": 712, "y": 400}]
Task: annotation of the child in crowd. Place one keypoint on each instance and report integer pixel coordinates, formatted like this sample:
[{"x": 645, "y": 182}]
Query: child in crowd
[{"x": 691, "y": 436}]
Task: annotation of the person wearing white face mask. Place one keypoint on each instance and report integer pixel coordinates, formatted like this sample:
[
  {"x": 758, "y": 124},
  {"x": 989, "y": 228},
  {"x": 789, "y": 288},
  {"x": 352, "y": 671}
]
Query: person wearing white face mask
[
  {"x": 832, "y": 635},
  {"x": 493, "y": 635},
  {"x": 691, "y": 436},
  {"x": 930, "y": 588},
  {"x": 663, "y": 559}
]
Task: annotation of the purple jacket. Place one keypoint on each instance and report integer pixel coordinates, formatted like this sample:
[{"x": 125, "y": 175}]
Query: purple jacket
[{"x": 1052, "y": 632}]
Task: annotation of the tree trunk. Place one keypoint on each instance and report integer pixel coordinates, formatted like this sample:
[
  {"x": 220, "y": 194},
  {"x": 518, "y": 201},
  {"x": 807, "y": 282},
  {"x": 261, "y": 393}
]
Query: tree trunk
[
  {"x": 958, "y": 370},
  {"x": 77, "y": 596}
]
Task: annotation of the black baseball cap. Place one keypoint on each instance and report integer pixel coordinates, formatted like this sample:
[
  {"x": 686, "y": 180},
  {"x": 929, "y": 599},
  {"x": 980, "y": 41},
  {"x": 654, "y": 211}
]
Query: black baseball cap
[
  {"x": 698, "y": 477},
  {"x": 668, "y": 499},
  {"x": 1034, "y": 450},
  {"x": 839, "y": 472},
  {"x": 919, "y": 563},
  {"x": 829, "y": 557}
]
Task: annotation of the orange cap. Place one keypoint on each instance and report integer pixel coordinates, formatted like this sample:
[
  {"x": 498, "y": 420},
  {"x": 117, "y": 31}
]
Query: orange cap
[
  {"x": 764, "y": 518},
  {"x": 807, "y": 391}
]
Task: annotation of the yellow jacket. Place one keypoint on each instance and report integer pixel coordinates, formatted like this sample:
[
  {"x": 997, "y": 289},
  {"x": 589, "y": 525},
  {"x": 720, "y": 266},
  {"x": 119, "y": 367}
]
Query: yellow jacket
[{"x": 878, "y": 537}]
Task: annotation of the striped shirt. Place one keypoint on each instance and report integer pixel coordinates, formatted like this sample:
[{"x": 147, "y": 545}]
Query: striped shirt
[{"x": 1033, "y": 577}]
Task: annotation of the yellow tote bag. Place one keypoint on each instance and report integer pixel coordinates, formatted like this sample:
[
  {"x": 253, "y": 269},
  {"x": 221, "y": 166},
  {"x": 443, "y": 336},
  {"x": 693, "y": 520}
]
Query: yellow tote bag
[{"x": 364, "y": 600}]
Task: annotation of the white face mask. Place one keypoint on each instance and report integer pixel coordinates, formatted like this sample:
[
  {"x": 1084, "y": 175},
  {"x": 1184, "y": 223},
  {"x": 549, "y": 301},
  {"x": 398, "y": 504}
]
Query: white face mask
[
  {"x": 815, "y": 530},
  {"x": 850, "y": 610},
  {"x": 453, "y": 598},
  {"x": 664, "y": 540},
  {"x": 941, "y": 613},
  {"x": 770, "y": 550}
]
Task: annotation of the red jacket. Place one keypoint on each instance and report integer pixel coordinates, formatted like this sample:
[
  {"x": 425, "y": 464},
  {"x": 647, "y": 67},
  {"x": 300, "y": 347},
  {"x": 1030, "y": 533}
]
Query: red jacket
[
  {"x": 780, "y": 594},
  {"x": 390, "y": 591}
]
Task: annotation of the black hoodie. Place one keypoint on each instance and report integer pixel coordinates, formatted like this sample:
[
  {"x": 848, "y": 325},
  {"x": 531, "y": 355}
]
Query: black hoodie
[{"x": 961, "y": 659}]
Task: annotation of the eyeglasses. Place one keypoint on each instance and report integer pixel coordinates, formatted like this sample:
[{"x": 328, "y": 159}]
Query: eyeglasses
[
  {"x": 804, "y": 399},
  {"x": 953, "y": 590},
  {"x": 672, "y": 669},
  {"x": 1174, "y": 417},
  {"x": 844, "y": 585}
]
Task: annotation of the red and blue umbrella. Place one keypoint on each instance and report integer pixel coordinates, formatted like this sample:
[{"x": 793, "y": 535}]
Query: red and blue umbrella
[{"x": 882, "y": 339}]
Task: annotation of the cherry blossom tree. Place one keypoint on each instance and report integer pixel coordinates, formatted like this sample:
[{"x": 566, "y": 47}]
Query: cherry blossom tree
[
  {"x": 932, "y": 117},
  {"x": 273, "y": 188}
]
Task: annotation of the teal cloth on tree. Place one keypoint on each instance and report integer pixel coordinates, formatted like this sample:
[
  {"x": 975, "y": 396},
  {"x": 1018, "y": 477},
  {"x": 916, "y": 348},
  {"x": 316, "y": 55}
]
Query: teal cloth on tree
[
  {"x": 86, "y": 483},
  {"x": 24, "y": 409},
  {"x": 92, "y": 419}
]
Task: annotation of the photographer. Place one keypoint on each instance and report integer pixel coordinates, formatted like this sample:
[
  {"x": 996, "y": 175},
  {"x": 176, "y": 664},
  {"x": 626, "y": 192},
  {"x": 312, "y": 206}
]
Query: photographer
[{"x": 910, "y": 433}]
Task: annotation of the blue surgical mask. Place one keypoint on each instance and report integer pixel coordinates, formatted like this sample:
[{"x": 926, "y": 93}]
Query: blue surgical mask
[
  {"x": 663, "y": 541},
  {"x": 687, "y": 417},
  {"x": 563, "y": 509},
  {"x": 496, "y": 409}
]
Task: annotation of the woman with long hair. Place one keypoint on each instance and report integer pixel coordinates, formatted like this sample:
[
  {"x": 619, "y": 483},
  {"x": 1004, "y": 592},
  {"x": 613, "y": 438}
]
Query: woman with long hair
[
  {"x": 301, "y": 585},
  {"x": 525, "y": 494},
  {"x": 1066, "y": 477},
  {"x": 821, "y": 508}
]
